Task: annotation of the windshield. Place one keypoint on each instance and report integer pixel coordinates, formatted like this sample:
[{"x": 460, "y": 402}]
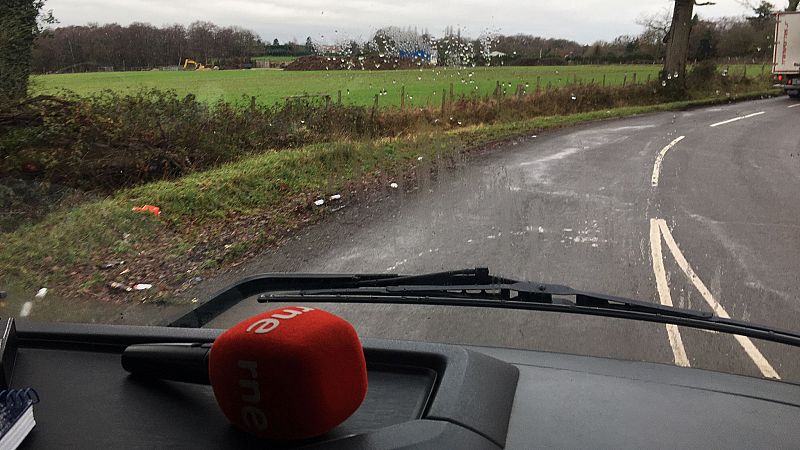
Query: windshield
[{"x": 151, "y": 157}]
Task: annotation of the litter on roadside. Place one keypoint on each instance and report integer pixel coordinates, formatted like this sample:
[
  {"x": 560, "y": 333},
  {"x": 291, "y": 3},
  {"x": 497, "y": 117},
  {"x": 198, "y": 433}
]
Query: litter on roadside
[
  {"x": 41, "y": 293},
  {"x": 119, "y": 287},
  {"x": 154, "y": 210},
  {"x": 335, "y": 197},
  {"x": 319, "y": 202},
  {"x": 110, "y": 265},
  {"x": 393, "y": 186},
  {"x": 142, "y": 286}
]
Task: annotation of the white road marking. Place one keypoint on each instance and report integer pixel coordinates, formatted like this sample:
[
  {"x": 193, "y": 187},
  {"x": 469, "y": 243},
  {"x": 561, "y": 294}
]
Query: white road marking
[
  {"x": 736, "y": 118},
  {"x": 674, "y": 335},
  {"x": 761, "y": 362},
  {"x": 26, "y": 309},
  {"x": 794, "y": 106},
  {"x": 660, "y": 158}
]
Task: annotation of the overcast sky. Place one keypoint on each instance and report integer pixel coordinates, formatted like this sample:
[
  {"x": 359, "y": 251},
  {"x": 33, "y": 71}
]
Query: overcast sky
[{"x": 584, "y": 21}]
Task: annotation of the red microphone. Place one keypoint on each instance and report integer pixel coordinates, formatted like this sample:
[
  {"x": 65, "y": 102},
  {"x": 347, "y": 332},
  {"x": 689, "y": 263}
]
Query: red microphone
[{"x": 290, "y": 373}]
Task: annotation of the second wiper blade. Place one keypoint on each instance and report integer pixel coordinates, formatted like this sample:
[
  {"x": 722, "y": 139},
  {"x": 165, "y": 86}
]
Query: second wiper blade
[
  {"x": 505, "y": 293},
  {"x": 496, "y": 292}
]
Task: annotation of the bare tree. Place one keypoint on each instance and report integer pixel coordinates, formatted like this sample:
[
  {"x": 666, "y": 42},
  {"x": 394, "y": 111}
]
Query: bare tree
[
  {"x": 657, "y": 25},
  {"x": 677, "y": 41},
  {"x": 792, "y": 5}
]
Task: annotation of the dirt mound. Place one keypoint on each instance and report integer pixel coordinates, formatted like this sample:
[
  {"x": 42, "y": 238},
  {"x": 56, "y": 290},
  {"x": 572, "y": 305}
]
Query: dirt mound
[{"x": 372, "y": 62}]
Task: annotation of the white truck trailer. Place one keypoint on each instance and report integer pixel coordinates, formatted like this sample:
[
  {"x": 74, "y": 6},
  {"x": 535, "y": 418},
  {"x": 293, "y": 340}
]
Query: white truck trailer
[{"x": 786, "y": 55}]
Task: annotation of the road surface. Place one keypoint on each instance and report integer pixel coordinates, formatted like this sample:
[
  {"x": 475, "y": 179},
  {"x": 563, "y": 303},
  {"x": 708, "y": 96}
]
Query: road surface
[{"x": 699, "y": 209}]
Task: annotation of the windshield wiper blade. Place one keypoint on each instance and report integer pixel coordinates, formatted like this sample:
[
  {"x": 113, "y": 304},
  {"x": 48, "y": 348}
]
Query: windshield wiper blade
[
  {"x": 469, "y": 288},
  {"x": 476, "y": 288},
  {"x": 506, "y": 293}
]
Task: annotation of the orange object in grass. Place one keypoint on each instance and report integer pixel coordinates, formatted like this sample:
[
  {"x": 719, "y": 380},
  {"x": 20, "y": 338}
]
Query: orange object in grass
[{"x": 154, "y": 210}]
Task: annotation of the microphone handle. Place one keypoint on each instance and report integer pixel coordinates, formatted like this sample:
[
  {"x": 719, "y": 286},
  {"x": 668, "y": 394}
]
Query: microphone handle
[{"x": 186, "y": 362}]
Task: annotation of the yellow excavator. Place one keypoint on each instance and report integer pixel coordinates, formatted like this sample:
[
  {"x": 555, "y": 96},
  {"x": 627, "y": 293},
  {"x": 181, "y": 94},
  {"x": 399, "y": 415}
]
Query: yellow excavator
[{"x": 197, "y": 65}]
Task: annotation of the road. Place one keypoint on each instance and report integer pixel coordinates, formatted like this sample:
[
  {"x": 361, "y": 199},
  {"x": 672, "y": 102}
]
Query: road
[{"x": 686, "y": 208}]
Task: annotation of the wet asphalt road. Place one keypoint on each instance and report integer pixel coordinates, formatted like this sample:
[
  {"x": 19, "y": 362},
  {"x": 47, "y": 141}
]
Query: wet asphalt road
[{"x": 576, "y": 207}]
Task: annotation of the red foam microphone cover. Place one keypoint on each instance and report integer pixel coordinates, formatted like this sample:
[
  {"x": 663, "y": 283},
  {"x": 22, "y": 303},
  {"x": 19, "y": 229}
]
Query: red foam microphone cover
[{"x": 290, "y": 373}]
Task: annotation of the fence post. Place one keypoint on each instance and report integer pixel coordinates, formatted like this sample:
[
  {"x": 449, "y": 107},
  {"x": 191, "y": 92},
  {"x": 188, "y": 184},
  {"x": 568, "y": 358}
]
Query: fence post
[
  {"x": 339, "y": 97},
  {"x": 744, "y": 72},
  {"x": 634, "y": 78},
  {"x": 549, "y": 84},
  {"x": 592, "y": 81},
  {"x": 375, "y": 106},
  {"x": 252, "y": 103},
  {"x": 451, "y": 93},
  {"x": 444, "y": 103},
  {"x": 402, "y": 97},
  {"x": 538, "y": 83},
  {"x": 497, "y": 90},
  {"x": 648, "y": 78},
  {"x": 624, "y": 80},
  {"x": 604, "y": 80},
  {"x": 574, "y": 79},
  {"x": 327, "y": 102}
]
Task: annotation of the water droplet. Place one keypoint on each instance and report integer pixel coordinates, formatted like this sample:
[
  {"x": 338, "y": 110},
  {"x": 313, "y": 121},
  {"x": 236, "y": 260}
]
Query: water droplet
[
  {"x": 572, "y": 96},
  {"x": 676, "y": 75},
  {"x": 664, "y": 83}
]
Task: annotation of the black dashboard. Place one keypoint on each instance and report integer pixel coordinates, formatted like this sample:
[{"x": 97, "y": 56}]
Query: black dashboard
[{"x": 421, "y": 395}]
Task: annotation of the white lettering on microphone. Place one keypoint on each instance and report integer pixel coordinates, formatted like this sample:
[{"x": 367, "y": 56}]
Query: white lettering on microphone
[
  {"x": 263, "y": 326},
  {"x": 252, "y": 416}
]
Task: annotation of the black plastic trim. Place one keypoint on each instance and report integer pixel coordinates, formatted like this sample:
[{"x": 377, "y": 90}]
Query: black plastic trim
[{"x": 472, "y": 390}]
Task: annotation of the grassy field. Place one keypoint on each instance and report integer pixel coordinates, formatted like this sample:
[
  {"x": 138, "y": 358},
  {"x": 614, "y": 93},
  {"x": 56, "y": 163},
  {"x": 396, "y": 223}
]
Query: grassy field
[{"x": 422, "y": 87}]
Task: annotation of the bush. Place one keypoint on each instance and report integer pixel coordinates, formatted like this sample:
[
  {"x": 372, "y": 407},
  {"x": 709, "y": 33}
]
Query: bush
[
  {"x": 107, "y": 141},
  {"x": 702, "y": 74},
  {"x": 111, "y": 140}
]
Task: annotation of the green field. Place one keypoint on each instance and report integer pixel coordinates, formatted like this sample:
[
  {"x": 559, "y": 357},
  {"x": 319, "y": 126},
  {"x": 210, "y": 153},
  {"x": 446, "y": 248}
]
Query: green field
[{"x": 422, "y": 87}]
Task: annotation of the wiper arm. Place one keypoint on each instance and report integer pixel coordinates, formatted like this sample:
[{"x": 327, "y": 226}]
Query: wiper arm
[
  {"x": 504, "y": 294},
  {"x": 454, "y": 289},
  {"x": 471, "y": 288}
]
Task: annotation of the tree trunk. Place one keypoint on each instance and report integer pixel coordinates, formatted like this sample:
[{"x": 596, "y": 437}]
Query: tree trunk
[
  {"x": 678, "y": 44},
  {"x": 793, "y": 5},
  {"x": 17, "y": 25}
]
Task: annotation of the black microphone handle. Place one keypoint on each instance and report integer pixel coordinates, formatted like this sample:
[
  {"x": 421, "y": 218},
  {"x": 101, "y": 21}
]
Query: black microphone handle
[{"x": 186, "y": 362}]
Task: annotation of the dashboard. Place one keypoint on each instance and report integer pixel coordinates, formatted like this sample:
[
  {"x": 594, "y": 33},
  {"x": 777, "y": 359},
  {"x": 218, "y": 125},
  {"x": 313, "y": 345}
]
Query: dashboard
[{"x": 421, "y": 395}]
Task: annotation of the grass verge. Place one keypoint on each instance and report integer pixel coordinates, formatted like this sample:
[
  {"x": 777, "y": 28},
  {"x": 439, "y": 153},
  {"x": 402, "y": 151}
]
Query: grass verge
[{"x": 213, "y": 219}]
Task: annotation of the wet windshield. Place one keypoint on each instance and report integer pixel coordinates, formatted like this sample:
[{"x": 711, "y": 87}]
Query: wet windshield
[{"x": 152, "y": 156}]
